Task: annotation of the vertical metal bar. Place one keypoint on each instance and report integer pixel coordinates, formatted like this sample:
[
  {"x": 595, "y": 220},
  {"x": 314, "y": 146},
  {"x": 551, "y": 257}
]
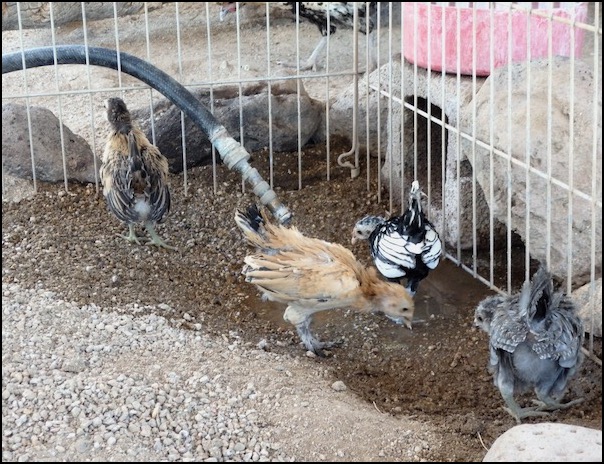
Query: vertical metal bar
[
  {"x": 354, "y": 150},
  {"x": 148, "y": 47},
  {"x": 510, "y": 174},
  {"x": 443, "y": 135},
  {"x": 211, "y": 79},
  {"x": 390, "y": 99},
  {"x": 491, "y": 143},
  {"x": 117, "y": 45},
  {"x": 548, "y": 167},
  {"x": 597, "y": 112},
  {"x": 271, "y": 163},
  {"x": 378, "y": 102},
  {"x": 474, "y": 90},
  {"x": 327, "y": 106},
  {"x": 428, "y": 187},
  {"x": 403, "y": 110},
  {"x": 182, "y": 115},
  {"x": 415, "y": 104},
  {"x": 27, "y": 98},
  {"x": 90, "y": 103},
  {"x": 298, "y": 93},
  {"x": 458, "y": 129},
  {"x": 240, "y": 88},
  {"x": 59, "y": 99},
  {"x": 571, "y": 145},
  {"x": 527, "y": 151}
]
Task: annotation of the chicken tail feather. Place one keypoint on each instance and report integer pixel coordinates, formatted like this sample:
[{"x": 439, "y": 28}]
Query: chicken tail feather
[
  {"x": 415, "y": 197},
  {"x": 251, "y": 224},
  {"x": 536, "y": 296}
]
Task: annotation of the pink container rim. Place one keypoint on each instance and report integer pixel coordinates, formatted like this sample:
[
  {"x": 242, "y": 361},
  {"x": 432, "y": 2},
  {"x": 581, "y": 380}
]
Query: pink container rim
[{"x": 425, "y": 24}]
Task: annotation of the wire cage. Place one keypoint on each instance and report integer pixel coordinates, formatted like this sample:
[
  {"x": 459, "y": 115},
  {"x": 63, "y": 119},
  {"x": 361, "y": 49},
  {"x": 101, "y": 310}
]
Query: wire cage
[
  {"x": 495, "y": 107},
  {"x": 433, "y": 83}
]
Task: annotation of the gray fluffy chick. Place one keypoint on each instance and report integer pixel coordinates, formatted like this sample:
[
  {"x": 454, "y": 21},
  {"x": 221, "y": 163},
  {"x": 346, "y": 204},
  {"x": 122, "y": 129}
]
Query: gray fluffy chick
[{"x": 535, "y": 340}]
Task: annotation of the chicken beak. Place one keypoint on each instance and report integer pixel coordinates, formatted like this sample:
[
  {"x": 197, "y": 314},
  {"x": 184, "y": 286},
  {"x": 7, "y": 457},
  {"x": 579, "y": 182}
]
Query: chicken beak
[
  {"x": 408, "y": 324},
  {"x": 353, "y": 240}
]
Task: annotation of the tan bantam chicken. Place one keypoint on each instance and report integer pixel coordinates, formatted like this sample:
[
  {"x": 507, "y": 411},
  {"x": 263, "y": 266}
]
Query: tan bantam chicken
[
  {"x": 134, "y": 175},
  {"x": 535, "y": 340},
  {"x": 312, "y": 275}
]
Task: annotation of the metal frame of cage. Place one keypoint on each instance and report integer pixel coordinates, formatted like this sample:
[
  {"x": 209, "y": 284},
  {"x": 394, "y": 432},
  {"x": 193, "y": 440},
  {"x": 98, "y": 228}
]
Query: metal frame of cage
[{"x": 391, "y": 97}]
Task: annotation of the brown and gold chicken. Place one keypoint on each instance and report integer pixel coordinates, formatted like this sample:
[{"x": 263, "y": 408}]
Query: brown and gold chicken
[
  {"x": 134, "y": 175},
  {"x": 312, "y": 275}
]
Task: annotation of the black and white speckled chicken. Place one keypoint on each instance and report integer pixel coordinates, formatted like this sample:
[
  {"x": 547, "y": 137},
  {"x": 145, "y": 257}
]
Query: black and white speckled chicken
[
  {"x": 535, "y": 341},
  {"x": 341, "y": 14},
  {"x": 403, "y": 246},
  {"x": 134, "y": 175},
  {"x": 312, "y": 275}
]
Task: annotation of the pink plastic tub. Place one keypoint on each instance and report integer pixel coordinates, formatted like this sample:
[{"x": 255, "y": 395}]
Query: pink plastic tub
[{"x": 419, "y": 17}]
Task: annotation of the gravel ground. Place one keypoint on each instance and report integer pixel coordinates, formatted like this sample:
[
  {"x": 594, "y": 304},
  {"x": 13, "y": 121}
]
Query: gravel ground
[{"x": 84, "y": 383}]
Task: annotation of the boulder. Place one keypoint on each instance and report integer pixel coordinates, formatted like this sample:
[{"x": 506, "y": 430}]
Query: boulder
[
  {"x": 547, "y": 442},
  {"x": 47, "y": 152},
  {"x": 559, "y": 222},
  {"x": 225, "y": 105}
]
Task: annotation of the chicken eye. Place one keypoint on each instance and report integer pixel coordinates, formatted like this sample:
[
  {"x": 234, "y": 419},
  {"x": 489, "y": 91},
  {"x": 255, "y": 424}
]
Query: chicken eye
[{"x": 479, "y": 318}]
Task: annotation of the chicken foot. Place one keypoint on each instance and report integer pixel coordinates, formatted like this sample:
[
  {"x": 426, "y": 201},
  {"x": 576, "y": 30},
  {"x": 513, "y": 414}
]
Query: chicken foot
[
  {"x": 549, "y": 404},
  {"x": 131, "y": 237},
  {"x": 156, "y": 239},
  {"x": 311, "y": 343}
]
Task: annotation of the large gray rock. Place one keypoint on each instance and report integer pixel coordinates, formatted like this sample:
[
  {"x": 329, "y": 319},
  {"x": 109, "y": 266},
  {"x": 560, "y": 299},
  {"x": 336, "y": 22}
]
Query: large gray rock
[
  {"x": 409, "y": 142},
  {"x": 47, "y": 152},
  {"x": 547, "y": 442},
  {"x": 38, "y": 14},
  {"x": 567, "y": 149},
  {"x": 254, "y": 103},
  {"x": 590, "y": 307}
]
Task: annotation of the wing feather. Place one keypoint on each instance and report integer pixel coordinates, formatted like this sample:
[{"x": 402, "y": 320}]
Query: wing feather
[
  {"x": 134, "y": 169},
  {"x": 316, "y": 278}
]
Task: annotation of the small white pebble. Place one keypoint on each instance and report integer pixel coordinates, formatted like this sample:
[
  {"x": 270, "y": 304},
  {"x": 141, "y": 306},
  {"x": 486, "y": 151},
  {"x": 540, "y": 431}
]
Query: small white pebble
[{"x": 338, "y": 385}]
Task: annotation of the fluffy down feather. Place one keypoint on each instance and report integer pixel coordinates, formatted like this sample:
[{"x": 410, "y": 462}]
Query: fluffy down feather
[
  {"x": 535, "y": 340},
  {"x": 134, "y": 175},
  {"x": 311, "y": 275}
]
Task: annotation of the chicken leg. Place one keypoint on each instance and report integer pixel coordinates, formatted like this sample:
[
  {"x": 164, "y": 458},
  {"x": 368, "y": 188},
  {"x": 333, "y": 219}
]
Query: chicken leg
[
  {"x": 131, "y": 237},
  {"x": 311, "y": 343},
  {"x": 313, "y": 60},
  {"x": 301, "y": 319},
  {"x": 156, "y": 239},
  {"x": 519, "y": 413}
]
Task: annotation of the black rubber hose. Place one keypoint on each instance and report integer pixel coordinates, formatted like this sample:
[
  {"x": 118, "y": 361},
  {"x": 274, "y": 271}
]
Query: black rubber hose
[{"x": 231, "y": 151}]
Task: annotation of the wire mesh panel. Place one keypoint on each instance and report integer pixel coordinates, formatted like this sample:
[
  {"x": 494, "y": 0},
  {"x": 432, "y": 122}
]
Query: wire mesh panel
[
  {"x": 357, "y": 117},
  {"x": 520, "y": 162},
  {"x": 495, "y": 107}
]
